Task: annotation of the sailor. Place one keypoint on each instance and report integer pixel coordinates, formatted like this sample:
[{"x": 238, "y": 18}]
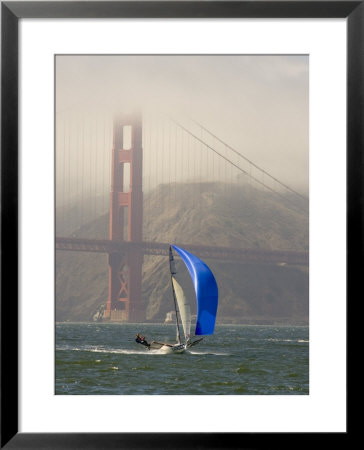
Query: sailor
[{"x": 141, "y": 340}]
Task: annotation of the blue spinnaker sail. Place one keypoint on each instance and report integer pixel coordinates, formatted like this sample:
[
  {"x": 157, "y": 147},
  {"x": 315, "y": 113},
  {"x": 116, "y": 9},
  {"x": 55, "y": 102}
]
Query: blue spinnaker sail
[{"x": 206, "y": 291}]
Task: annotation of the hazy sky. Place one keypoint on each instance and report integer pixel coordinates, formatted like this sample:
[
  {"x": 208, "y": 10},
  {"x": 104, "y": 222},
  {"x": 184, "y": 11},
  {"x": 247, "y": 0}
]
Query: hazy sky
[{"x": 257, "y": 104}]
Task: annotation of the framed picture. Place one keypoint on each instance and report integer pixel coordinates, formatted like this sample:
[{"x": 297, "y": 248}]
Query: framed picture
[{"x": 42, "y": 39}]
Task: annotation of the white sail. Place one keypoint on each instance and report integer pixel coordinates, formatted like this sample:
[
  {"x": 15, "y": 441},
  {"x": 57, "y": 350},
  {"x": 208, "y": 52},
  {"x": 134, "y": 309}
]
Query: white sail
[{"x": 184, "y": 308}]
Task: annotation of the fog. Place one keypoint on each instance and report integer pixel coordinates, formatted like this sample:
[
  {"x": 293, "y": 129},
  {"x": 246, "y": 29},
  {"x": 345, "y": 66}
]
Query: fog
[{"x": 256, "y": 104}]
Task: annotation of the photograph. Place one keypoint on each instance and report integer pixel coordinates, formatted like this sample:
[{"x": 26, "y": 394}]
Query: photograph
[
  {"x": 182, "y": 224},
  {"x": 181, "y": 200}
]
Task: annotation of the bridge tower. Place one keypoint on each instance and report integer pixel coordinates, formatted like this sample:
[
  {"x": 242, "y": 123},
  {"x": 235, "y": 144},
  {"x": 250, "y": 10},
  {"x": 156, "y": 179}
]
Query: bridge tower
[{"x": 126, "y": 220}]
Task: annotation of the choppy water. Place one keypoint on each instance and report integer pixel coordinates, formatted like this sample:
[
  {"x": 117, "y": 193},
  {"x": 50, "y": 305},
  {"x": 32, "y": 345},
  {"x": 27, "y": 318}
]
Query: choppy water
[{"x": 97, "y": 359}]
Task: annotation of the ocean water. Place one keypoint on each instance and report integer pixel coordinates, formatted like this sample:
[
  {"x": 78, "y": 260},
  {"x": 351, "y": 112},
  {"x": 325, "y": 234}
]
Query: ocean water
[{"x": 104, "y": 359}]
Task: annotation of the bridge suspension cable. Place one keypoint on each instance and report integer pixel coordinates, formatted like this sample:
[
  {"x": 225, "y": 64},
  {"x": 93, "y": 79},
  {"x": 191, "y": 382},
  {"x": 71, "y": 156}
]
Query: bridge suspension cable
[
  {"x": 248, "y": 160},
  {"x": 262, "y": 183}
]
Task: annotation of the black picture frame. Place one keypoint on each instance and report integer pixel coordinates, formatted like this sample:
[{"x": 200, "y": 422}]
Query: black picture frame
[{"x": 11, "y": 12}]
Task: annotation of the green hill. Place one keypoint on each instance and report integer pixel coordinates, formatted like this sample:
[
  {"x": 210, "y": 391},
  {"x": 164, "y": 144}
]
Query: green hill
[{"x": 205, "y": 214}]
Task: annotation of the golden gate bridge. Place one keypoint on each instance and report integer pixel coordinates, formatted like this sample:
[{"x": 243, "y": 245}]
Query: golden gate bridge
[{"x": 111, "y": 163}]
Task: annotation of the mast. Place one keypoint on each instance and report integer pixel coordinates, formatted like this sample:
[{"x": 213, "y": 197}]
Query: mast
[{"x": 172, "y": 269}]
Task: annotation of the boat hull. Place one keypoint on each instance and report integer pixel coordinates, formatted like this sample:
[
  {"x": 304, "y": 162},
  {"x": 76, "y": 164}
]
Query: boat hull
[{"x": 169, "y": 349}]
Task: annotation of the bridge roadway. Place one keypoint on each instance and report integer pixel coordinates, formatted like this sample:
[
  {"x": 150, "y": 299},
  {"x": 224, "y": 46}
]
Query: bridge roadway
[{"x": 252, "y": 256}]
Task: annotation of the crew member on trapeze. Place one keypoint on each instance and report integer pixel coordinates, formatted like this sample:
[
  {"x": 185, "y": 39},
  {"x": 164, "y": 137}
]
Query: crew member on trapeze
[{"x": 141, "y": 340}]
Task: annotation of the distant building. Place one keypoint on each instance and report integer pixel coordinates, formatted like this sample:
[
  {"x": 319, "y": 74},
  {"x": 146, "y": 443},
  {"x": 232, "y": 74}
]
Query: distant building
[{"x": 170, "y": 317}]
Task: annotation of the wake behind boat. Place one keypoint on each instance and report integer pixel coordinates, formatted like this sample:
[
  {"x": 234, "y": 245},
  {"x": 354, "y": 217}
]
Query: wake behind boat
[{"x": 206, "y": 297}]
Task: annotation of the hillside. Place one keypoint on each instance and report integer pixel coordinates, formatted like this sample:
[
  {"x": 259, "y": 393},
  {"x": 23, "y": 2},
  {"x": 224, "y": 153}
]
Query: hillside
[{"x": 208, "y": 214}]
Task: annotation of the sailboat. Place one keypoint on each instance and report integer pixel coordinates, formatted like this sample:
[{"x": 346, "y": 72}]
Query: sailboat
[{"x": 206, "y": 292}]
